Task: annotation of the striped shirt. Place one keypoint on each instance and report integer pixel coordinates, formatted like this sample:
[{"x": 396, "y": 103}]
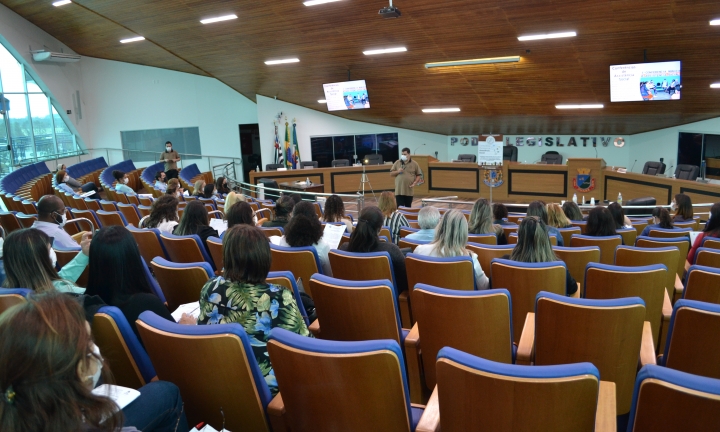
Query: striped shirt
[{"x": 394, "y": 222}]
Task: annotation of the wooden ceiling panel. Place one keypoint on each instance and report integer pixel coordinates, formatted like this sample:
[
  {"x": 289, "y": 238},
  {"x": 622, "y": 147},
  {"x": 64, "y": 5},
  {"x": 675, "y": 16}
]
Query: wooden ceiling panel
[{"x": 513, "y": 98}]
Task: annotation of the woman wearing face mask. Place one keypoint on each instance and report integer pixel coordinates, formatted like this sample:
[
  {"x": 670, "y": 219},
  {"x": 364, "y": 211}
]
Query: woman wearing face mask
[
  {"x": 221, "y": 184},
  {"x": 171, "y": 158},
  {"x": 49, "y": 366},
  {"x": 68, "y": 184},
  {"x": 30, "y": 263},
  {"x": 122, "y": 181},
  {"x": 163, "y": 214}
]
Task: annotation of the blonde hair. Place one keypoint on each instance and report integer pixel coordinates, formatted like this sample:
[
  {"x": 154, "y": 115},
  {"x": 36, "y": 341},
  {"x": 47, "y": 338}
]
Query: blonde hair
[
  {"x": 387, "y": 203},
  {"x": 198, "y": 188},
  {"x": 451, "y": 235},
  {"x": 481, "y": 218},
  {"x": 232, "y": 198},
  {"x": 556, "y": 216}
]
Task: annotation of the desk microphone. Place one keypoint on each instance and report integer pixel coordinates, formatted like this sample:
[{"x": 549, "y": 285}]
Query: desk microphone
[
  {"x": 416, "y": 149},
  {"x": 596, "y": 154},
  {"x": 633, "y": 165}
]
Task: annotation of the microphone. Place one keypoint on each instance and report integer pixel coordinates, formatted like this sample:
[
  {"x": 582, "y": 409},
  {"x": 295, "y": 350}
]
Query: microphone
[
  {"x": 670, "y": 172},
  {"x": 596, "y": 154},
  {"x": 633, "y": 166},
  {"x": 416, "y": 148}
]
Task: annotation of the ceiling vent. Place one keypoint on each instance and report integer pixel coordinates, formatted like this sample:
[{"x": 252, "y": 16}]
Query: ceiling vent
[{"x": 47, "y": 56}]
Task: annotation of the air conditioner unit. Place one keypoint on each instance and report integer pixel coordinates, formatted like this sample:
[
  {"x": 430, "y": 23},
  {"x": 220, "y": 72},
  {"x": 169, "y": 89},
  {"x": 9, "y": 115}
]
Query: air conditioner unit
[{"x": 40, "y": 56}]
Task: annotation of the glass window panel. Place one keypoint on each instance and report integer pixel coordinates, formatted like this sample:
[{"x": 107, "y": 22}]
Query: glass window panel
[
  {"x": 42, "y": 125},
  {"x": 344, "y": 147},
  {"x": 20, "y": 128},
  {"x": 11, "y": 72},
  {"x": 5, "y": 165},
  {"x": 32, "y": 86},
  {"x": 365, "y": 145},
  {"x": 388, "y": 146},
  {"x": 65, "y": 139},
  {"x": 321, "y": 149}
]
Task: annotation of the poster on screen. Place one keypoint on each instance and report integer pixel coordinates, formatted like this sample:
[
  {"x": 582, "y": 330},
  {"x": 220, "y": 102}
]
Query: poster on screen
[
  {"x": 490, "y": 151},
  {"x": 645, "y": 82}
]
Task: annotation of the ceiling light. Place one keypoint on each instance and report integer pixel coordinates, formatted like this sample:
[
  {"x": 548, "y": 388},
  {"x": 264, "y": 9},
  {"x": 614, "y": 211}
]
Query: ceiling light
[
  {"x": 385, "y": 51},
  {"x": 547, "y": 36},
  {"x": 511, "y": 59},
  {"x": 713, "y": 22},
  {"x": 440, "y": 110},
  {"x": 288, "y": 60},
  {"x": 579, "y": 106},
  {"x": 133, "y": 39},
  {"x": 61, "y": 3},
  {"x": 322, "y": 101},
  {"x": 218, "y": 19},
  {"x": 715, "y": 85},
  {"x": 317, "y": 2}
]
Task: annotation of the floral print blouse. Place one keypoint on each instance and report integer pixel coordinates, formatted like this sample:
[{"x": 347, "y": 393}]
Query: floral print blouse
[{"x": 258, "y": 308}]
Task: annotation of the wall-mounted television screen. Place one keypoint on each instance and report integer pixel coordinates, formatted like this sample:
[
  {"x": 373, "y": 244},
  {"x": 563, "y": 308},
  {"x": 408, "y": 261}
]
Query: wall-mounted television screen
[
  {"x": 347, "y": 95},
  {"x": 645, "y": 82}
]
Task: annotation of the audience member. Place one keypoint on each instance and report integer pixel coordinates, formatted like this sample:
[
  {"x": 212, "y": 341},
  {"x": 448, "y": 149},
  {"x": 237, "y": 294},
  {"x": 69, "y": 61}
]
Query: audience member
[
  {"x": 63, "y": 181},
  {"x": 163, "y": 214},
  {"x": 600, "y": 223},
  {"x": 49, "y": 366},
  {"x": 241, "y": 295},
  {"x": 305, "y": 229},
  {"x": 51, "y": 221},
  {"x": 209, "y": 192},
  {"x": 533, "y": 246},
  {"x": 450, "y": 240},
  {"x": 221, "y": 184},
  {"x": 661, "y": 219},
  {"x": 335, "y": 212},
  {"x": 393, "y": 218},
  {"x": 365, "y": 239},
  {"x": 537, "y": 208},
  {"x": 174, "y": 188},
  {"x": 161, "y": 181},
  {"x": 283, "y": 209},
  {"x": 556, "y": 217},
  {"x": 481, "y": 221},
  {"x": 121, "y": 184},
  {"x": 572, "y": 211},
  {"x": 231, "y": 199},
  {"x": 240, "y": 213},
  {"x": 30, "y": 262},
  {"x": 198, "y": 188},
  {"x": 618, "y": 215},
  {"x": 712, "y": 229},
  {"x": 428, "y": 219},
  {"x": 195, "y": 221},
  {"x": 683, "y": 208},
  {"x": 296, "y": 197},
  {"x": 500, "y": 214}
]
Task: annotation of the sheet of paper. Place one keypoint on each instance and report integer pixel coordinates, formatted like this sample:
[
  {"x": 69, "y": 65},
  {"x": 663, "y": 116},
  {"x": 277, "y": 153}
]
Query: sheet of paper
[
  {"x": 333, "y": 234},
  {"x": 693, "y": 236},
  {"x": 219, "y": 224},
  {"x": 87, "y": 194},
  {"x": 145, "y": 195},
  {"x": 188, "y": 308},
  {"x": 122, "y": 396}
]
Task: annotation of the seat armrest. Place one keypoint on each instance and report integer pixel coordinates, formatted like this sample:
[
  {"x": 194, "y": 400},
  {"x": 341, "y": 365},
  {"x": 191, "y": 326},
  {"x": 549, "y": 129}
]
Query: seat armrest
[
  {"x": 276, "y": 414},
  {"x": 414, "y": 365},
  {"x": 667, "y": 308},
  {"x": 576, "y": 294},
  {"x": 430, "y": 419},
  {"x": 647, "y": 347},
  {"x": 606, "y": 414},
  {"x": 526, "y": 347},
  {"x": 314, "y": 328},
  {"x": 678, "y": 288}
]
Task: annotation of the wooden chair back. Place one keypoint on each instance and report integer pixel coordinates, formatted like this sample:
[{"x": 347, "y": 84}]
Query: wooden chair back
[
  {"x": 702, "y": 284},
  {"x": 682, "y": 243},
  {"x": 606, "y": 244},
  {"x": 9, "y": 222},
  {"x": 64, "y": 256},
  {"x": 452, "y": 273},
  {"x": 576, "y": 259},
  {"x": 143, "y": 210},
  {"x": 78, "y": 203},
  {"x": 487, "y": 239},
  {"x": 693, "y": 342},
  {"x": 351, "y": 266},
  {"x": 12, "y": 297},
  {"x": 92, "y": 204},
  {"x": 414, "y": 224},
  {"x": 580, "y": 224},
  {"x": 515, "y": 218},
  {"x": 113, "y": 218},
  {"x": 131, "y": 214},
  {"x": 406, "y": 231},
  {"x": 181, "y": 283},
  {"x": 487, "y": 253},
  {"x": 26, "y": 220},
  {"x": 639, "y": 226},
  {"x": 669, "y": 233},
  {"x": 148, "y": 241},
  {"x": 567, "y": 234},
  {"x": 29, "y": 207},
  {"x": 269, "y": 232},
  {"x": 183, "y": 249},
  {"x": 628, "y": 235},
  {"x": 711, "y": 243},
  {"x": 88, "y": 214},
  {"x": 302, "y": 263},
  {"x": 145, "y": 200},
  {"x": 513, "y": 239},
  {"x": 108, "y": 205},
  {"x": 606, "y": 334},
  {"x": 629, "y": 256},
  {"x": 524, "y": 281},
  {"x": 509, "y": 229},
  {"x": 215, "y": 247},
  {"x": 412, "y": 244},
  {"x": 707, "y": 257},
  {"x": 384, "y": 231},
  {"x": 692, "y": 225}
]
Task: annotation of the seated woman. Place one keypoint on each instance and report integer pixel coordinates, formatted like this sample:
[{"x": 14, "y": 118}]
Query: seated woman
[
  {"x": 500, "y": 214},
  {"x": 117, "y": 276},
  {"x": 241, "y": 295},
  {"x": 240, "y": 213},
  {"x": 175, "y": 189},
  {"x": 195, "y": 221},
  {"x": 49, "y": 366},
  {"x": 661, "y": 219},
  {"x": 365, "y": 239},
  {"x": 450, "y": 241},
  {"x": 572, "y": 211},
  {"x": 198, "y": 188},
  {"x": 160, "y": 181},
  {"x": 712, "y": 229},
  {"x": 393, "y": 218},
  {"x": 283, "y": 209},
  {"x": 163, "y": 214},
  {"x": 534, "y": 246},
  {"x": 209, "y": 192},
  {"x": 618, "y": 215},
  {"x": 221, "y": 185},
  {"x": 537, "y": 208},
  {"x": 335, "y": 212},
  {"x": 68, "y": 184},
  {"x": 231, "y": 199},
  {"x": 30, "y": 262},
  {"x": 122, "y": 181},
  {"x": 556, "y": 216},
  {"x": 600, "y": 223},
  {"x": 481, "y": 221},
  {"x": 305, "y": 229},
  {"x": 683, "y": 208}
]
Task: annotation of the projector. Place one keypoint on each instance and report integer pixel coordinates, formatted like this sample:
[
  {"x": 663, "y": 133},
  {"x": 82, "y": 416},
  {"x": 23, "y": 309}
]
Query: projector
[{"x": 390, "y": 12}]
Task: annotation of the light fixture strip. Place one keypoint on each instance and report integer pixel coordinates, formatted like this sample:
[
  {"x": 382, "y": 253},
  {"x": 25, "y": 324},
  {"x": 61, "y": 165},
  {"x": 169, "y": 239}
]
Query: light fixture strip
[
  {"x": 282, "y": 61},
  {"x": 133, "y": 39},
  {"x": 318, "y": 2},
  {"x": 715, "y": 85},
  {"x": 547, "y": 36},
  {"x": 491, "y": 60},
  {"x": 385, "y": 51},
  {"x": 715, "y": 22},
  {"x": 61, "y": 3},
  {"x": 440, "y": 110},
  {"x": 322, "y": 101},
  {"x": 218, "y": 19},
  {"x": 579, "y": 106}
]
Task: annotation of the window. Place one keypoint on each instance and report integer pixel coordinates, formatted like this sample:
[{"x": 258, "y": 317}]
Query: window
[
  {"x": 31, "y": 126},
  {"x": 327, "y": 148}
]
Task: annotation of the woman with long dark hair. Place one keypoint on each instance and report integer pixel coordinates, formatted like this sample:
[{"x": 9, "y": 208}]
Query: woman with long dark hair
[
  {"x": 712, "y": 229},
  {"x": 365, "y": 239},
  {"x": 618, "y": 215},
  {"x": 537, "y": 209},
  {"x": 239, "y": 213},
  {"x": 221, "y": 184},
  {"x": 305, "y": 229},
  {"x": 195, "y": 221},
  {"x": 49, "y": 366},
  {"x": 661, "y": 219},
  {"x": 163, "y": 214},
  {"x": 335, "y": 212},
  {"x": 600, "y": 223},
  {"x": 683, "y": 208},
  {"x": 283, "y": 210},
  {"x": 572, "y": 211}
]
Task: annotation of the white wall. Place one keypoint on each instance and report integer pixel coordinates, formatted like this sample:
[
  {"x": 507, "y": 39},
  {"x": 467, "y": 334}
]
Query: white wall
[
  {"x": 315, "y": 123},
  {"x": 613, "y": 156}
]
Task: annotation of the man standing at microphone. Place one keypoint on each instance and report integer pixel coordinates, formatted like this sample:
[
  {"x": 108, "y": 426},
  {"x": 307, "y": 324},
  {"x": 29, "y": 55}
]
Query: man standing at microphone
[{"x": 407, "y": 174}]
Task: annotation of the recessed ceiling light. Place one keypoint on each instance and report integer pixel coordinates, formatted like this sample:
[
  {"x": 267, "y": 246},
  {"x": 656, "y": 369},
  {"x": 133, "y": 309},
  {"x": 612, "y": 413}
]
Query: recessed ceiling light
[
  {"x": 490, "y": 60},
  {"x": 218, "y": 19},
  {"x": 281, "y": 61},
  {"x": 385, "y": 51},
  {"x": 715, "y": 22},
  {"x": 547, "y": 36},
  {"x": 440, "y": 110},
  {"x": 715, "y": 85},
  {"x": 134, "y": 39},
  {"x": 322, "y": 101},
  {"x": 579, "y": 106},
  {"x": 61, "y": 3},
  {"x": 317, "y": 2}
]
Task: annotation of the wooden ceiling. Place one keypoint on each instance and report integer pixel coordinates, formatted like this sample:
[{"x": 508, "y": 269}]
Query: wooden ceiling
[{"x": 512, "y": 98}]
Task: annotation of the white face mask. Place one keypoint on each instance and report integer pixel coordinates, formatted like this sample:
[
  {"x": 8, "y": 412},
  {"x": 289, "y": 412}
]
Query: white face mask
[
  {"x": 168, "y": 149},
  {"x": 125, "y": 180},
  {"x": 53, "y": 257},
  {"x": 403, "y": 158},
  {"x": 66, "y": 178},
  {"x": 63, "y": 219},
  {"x": 673, "y": 206},
  {"x": 96, "y": 376}
]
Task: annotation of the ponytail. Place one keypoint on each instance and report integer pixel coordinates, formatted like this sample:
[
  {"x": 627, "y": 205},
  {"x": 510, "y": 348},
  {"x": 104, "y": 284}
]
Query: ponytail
[
  {"x": 664, "y": 216},
  {"x": 365, "y": 236}
]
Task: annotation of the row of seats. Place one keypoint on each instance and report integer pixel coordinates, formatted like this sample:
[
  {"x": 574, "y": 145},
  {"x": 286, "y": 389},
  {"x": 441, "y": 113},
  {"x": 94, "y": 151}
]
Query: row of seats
[
  {"x": 106, "y": 176},
  {"x": 27, "y": 183},
  {"x": 16, "y": 179},
  {"x": 83, "y": 169}
]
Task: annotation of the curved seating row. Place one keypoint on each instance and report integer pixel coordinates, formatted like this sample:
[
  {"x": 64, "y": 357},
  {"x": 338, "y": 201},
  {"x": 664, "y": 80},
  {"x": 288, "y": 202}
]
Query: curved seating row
[
  {"x": 106, "y": 176},
  {"x": 190, "y": 174},
  {"x": 87, "y": 171},
  {"x": 27, "y": 183}
]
